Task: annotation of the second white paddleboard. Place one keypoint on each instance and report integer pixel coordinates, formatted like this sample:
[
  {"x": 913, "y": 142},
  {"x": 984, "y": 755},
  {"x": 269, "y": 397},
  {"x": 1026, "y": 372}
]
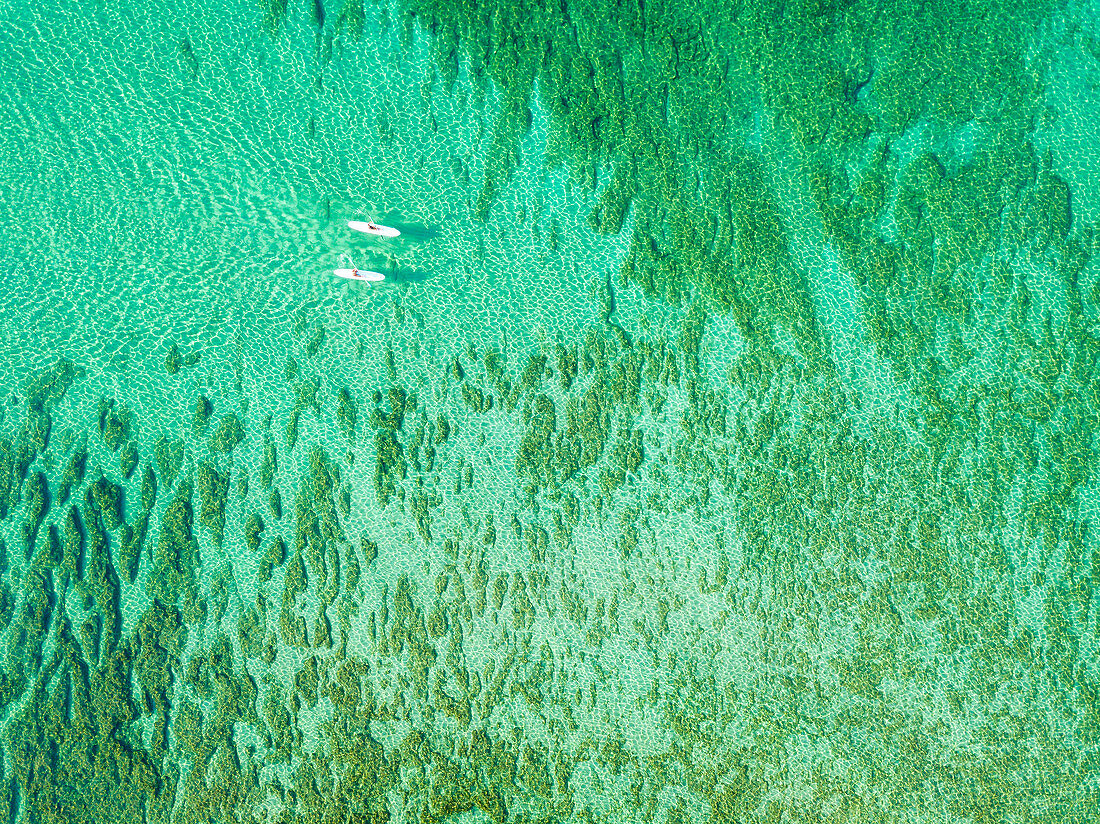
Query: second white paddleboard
[
  {"x": 372, "y": 228},
  {"x": 359, "y": 274}
]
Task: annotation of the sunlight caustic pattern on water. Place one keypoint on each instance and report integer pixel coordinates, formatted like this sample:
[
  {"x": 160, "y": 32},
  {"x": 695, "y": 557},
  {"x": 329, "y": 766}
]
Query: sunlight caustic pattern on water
[{"x": 721, "y": 446}]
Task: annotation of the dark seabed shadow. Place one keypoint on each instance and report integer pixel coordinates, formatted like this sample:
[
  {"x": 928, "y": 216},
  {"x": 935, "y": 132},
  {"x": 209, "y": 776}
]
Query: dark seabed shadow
[{"x": 411, "y": 230}]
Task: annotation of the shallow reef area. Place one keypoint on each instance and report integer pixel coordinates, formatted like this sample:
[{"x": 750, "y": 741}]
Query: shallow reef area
[{"x": 816, "y": 542}]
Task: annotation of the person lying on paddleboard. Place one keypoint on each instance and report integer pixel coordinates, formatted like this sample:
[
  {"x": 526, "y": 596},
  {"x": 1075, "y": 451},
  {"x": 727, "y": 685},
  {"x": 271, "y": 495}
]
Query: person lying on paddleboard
[
  {"x": 355, "y": 273},
  {"x": 372, "y": 228}
]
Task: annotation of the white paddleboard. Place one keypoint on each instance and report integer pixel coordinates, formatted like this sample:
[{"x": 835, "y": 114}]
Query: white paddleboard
[
  {"x": 372, "y": 228},
  {"x": 359, "y": 274}
]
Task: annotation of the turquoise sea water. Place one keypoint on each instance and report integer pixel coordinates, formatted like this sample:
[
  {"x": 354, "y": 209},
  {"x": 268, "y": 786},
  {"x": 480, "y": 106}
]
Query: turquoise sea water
[{"x": 722, "y": 445}]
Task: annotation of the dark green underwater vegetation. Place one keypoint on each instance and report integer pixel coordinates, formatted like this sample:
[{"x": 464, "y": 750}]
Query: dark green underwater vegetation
[{"x": 821, "y": 606}]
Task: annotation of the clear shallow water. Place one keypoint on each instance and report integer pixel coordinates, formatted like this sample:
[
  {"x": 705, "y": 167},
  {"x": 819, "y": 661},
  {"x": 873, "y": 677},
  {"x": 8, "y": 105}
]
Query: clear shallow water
[{"x": 814, "y": 541}]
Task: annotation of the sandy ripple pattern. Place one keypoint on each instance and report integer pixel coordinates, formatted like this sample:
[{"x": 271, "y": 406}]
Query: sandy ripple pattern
[{"x": 720, "y": 447}]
